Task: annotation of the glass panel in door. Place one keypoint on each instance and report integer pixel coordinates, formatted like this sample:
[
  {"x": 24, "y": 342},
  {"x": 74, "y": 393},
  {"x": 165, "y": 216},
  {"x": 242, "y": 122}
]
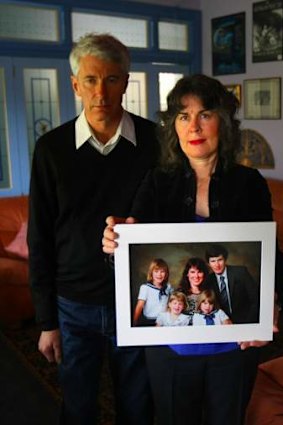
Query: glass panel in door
[
  {"x": 5, "y": 166},
  {"x": 42, "y": 103}
]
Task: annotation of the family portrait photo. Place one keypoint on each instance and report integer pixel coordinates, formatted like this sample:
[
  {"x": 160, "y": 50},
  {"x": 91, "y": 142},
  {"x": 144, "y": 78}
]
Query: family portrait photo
[{"x": 206, "y": 289}]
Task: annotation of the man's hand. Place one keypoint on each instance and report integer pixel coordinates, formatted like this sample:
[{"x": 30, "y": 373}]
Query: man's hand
[
  {"x": 109, "y": 236},
  {"x": 49, "y": 345}
]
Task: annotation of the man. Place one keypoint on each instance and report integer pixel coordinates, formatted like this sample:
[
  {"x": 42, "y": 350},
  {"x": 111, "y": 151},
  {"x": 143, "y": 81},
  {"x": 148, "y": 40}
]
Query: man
[
  {"x": 235, "y": 288},
  {"x": 82, "y": 172}
]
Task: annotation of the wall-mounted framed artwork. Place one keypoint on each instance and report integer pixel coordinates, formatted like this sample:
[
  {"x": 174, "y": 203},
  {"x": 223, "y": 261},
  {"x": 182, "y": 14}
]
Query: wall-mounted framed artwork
[
  {"x": 267, "y": 31},
  {"x": 262, "y": 99},
  {"x": 228, "y": 44},
  {"x": 235, "y": 89}
]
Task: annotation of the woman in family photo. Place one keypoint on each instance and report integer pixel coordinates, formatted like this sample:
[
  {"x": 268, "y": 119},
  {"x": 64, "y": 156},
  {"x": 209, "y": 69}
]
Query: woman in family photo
[{"x": 192, "y": 281}]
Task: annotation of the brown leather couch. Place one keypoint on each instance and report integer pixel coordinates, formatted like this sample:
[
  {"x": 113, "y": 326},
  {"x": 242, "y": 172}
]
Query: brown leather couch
[
  {"x": 276, "y": 189},
  {"x": 15, "y": 297},
  {"x": 266, "y": 404}
]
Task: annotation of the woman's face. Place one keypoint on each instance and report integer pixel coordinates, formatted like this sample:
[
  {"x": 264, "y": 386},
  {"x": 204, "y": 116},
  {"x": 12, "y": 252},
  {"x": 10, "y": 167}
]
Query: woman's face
[
  {"x": 197, "y": 130},
  {"x": 195, "y": 276}
]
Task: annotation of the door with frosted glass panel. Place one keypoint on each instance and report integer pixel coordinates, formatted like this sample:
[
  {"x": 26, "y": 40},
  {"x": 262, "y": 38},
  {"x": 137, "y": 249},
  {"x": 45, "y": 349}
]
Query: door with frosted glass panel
[
  {"x": 10, "y": 175},
  {"x": 42, "y": 103}
]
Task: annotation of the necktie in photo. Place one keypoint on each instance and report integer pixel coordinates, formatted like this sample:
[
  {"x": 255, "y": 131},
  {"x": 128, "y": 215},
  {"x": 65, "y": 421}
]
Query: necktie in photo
[
  {"x": 224, "y": 295},
  {"x": 209, "y": 319}
]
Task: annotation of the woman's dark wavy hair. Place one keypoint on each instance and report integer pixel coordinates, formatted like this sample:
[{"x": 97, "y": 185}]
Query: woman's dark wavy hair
[
  {"x": 214, "y": 96},
  {"x": 199, "y": 264}
]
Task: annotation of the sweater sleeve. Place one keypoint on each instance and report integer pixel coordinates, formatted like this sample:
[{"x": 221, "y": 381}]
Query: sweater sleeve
[{"x": 41, "y": 240}]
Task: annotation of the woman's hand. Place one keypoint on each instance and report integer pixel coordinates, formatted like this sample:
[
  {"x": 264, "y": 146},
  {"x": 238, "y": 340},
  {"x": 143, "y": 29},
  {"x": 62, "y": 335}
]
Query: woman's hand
[
  {"x": 109, "y": 236},
  {"x": 247, "y": 344}
]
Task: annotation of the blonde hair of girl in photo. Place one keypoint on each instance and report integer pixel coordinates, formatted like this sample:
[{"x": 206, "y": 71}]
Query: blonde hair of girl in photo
[
  {"x": 208, "y": 311},
  {"x": 153, "y": 295},
  {"x": 174, "y": 316}
]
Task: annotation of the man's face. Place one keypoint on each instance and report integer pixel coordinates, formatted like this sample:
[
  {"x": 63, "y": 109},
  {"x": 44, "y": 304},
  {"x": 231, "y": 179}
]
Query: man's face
[
  {"x": 100, "y": 84},
  {"x": 217, "y": 264}
]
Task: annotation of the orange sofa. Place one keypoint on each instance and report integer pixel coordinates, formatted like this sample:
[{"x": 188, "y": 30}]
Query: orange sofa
[
  {"x": 15, "y": 297},
  {"x": 276, "y": 189},
  {"x": 266, "y": 404}
]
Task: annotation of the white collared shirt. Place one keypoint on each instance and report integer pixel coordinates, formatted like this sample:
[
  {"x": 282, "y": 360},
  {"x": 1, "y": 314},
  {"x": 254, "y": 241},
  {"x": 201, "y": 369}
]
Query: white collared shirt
[{"x": 84, "y": 133}]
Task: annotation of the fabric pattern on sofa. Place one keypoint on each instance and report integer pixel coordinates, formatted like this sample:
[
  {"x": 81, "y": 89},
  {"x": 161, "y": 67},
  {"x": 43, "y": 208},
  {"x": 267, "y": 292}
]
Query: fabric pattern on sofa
[{"x": 15, "y": 296}]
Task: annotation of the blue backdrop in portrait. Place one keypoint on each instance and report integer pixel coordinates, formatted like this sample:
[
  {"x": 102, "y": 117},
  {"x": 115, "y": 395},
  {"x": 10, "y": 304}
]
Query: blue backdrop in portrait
[{"x": 228, "y": 45}]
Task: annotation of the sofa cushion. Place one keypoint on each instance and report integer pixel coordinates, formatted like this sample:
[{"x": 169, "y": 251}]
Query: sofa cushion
[
  {"x": 274, "y": 370},
  {"x": 18, "y": 247},
  {"x": 276, "y": 189},
  {"x": 266, "y": 404},
  {"x": 13, "y": 212},
  {"x": 13, "y": 272}
]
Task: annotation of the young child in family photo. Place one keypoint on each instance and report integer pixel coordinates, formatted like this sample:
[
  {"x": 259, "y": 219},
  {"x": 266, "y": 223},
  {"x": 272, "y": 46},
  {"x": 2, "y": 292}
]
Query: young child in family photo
[
  {"x": 173, "y": 316},
  {"x": 153, "y": 295},
  {"x": 208, "y": 311}
]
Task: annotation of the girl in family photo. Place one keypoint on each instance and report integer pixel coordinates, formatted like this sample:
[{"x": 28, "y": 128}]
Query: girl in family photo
[
  {"x": 153, "y": 295},
  {"x": 174, "y": 316},
  {"x": 208, "y": 311}
]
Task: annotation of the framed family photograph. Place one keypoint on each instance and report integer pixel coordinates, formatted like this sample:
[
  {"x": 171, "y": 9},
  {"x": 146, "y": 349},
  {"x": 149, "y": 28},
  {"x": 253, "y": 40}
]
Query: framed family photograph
[
  {"x": 262, "y": 98},
  {"x": 228, "y": 44},
  {"x": 267, "y": 38},
  {"x": 173, "y": 281}
]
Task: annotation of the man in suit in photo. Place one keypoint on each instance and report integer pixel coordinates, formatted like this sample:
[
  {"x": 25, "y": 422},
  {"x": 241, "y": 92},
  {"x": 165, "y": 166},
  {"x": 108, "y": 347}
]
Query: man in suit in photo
[
  {"x": 235, "y": 288},
  {"x": 83, "y": 171}
]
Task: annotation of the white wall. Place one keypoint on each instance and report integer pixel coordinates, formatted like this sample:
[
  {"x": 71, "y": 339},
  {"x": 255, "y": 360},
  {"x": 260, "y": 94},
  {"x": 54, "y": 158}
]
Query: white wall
[{"x": 272, "y": 130}]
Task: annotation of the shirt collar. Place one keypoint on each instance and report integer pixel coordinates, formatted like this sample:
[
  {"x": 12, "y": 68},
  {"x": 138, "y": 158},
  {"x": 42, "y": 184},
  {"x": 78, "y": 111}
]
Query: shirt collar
[{"x": 84, "y": 134}]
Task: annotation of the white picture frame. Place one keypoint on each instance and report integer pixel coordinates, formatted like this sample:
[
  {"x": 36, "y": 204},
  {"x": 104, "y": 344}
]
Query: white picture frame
[{"x": 137, "y": 243}]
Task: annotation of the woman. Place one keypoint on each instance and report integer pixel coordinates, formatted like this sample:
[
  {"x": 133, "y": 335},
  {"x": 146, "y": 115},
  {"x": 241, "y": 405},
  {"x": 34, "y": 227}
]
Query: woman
[
  {"x": 192, "y": 280},
  {"x": 198, "y": 180}
]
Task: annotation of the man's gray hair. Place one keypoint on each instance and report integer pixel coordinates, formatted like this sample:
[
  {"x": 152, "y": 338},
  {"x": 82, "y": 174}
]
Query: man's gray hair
[{"x": 102, "y": 46}]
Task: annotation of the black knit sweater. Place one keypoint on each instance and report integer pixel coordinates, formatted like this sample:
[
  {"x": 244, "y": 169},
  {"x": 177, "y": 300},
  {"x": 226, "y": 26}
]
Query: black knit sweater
[{"x": 72, "y": 192}]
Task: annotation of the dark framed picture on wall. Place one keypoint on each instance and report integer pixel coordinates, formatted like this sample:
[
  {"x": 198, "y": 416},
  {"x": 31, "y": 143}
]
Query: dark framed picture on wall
[
  {"x": 267, "y": 31},
  {"x": 262, "y": 99},
  {"x": 228, "y": 44}
]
